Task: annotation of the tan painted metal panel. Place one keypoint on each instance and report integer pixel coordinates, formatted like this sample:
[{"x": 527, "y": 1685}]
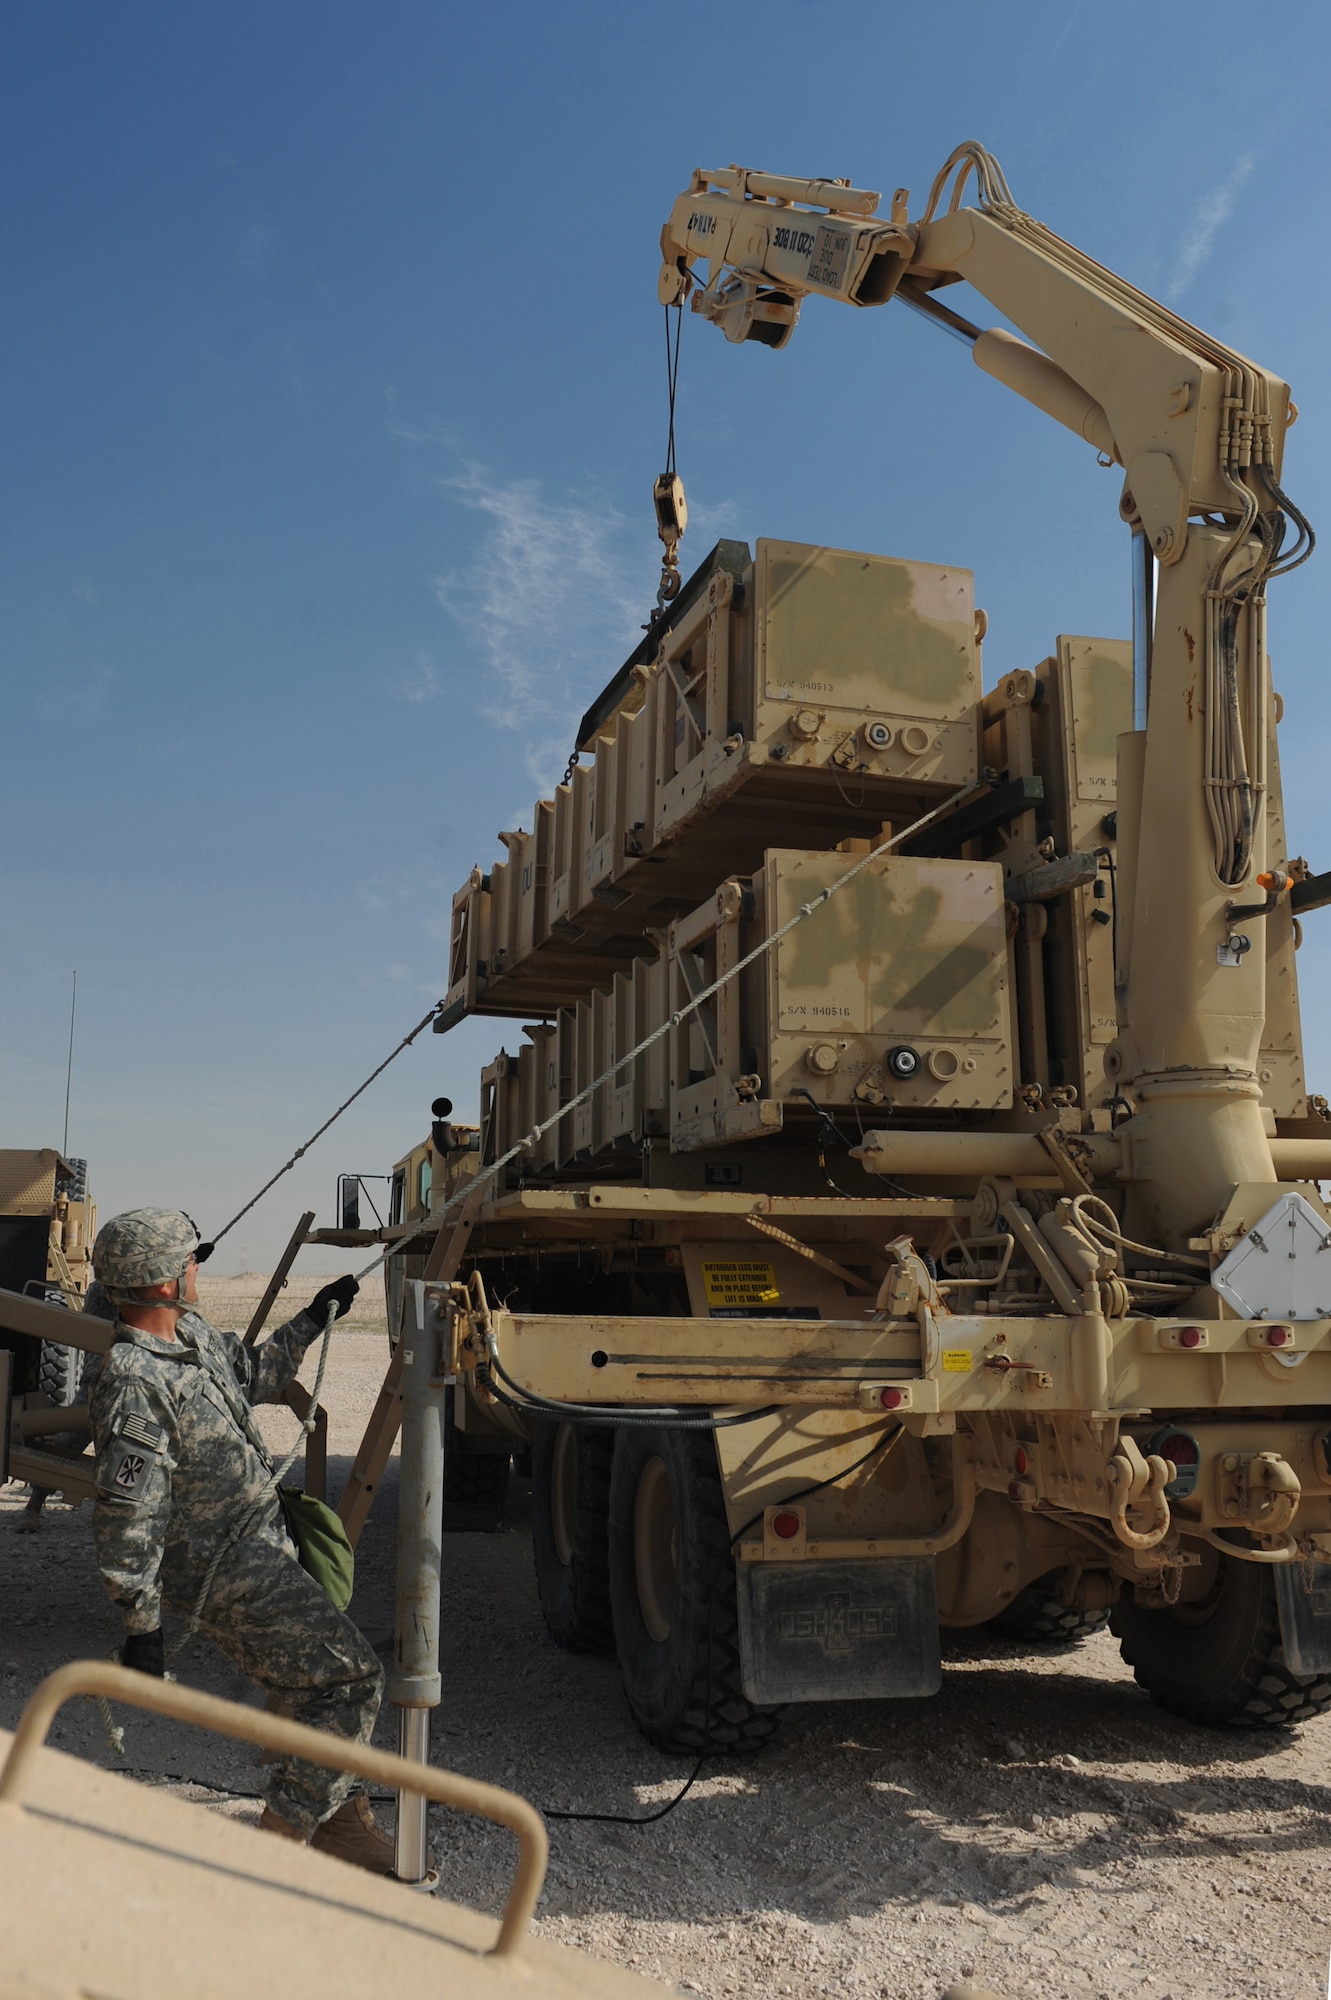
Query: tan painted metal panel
[
  {"x": 112, "y": 1888},
  {"x": 914, "y": 952},
  {"x": 27, "y": 1180}
]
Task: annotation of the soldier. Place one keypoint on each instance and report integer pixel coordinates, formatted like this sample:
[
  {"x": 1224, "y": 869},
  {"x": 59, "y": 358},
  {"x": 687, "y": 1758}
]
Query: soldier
[{"x": 184, "y": 1483}]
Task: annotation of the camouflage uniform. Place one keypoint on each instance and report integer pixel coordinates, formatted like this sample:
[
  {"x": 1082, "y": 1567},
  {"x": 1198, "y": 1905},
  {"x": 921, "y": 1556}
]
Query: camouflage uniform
[{"x": 179, "y": 1465}]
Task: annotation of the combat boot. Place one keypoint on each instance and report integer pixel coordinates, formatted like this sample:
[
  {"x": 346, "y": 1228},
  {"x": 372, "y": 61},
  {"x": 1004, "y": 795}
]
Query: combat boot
[
  {"x": 271, "y": 1822},
  {"x": 353, "y": 1834}
]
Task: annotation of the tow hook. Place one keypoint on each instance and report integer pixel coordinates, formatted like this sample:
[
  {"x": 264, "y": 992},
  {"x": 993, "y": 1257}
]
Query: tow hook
[
  {"x": 1137, "y": 1481},
  {"x": 1258, "y": 1490}
]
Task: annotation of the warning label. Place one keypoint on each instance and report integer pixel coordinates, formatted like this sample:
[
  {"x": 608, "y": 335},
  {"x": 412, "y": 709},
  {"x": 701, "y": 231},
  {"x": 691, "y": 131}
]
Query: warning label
[
  {"x": 739, "y": 1286},
  {"x": 956, "y": 1361}
]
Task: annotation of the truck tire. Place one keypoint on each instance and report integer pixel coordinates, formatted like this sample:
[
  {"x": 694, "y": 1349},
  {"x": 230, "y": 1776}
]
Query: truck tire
[
  {"x": 570, "y": 1504},
  {"x": 672, "y": 1592},
  {"x": 1038, "y": 1616},
  {"x": 58, "y": 1372},
  {"x": 1220, "y": 1660},
  {"x": 475, "y": 1481}
]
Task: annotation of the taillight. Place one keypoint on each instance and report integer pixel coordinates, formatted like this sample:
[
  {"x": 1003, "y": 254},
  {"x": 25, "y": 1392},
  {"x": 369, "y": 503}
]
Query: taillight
[
  {"x": 1182, "y": 1448},
  {"x": 786, "y": 1525}
]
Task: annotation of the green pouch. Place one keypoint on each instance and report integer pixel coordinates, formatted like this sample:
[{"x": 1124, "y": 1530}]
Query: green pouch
[{"x": 321, "y": 1542}]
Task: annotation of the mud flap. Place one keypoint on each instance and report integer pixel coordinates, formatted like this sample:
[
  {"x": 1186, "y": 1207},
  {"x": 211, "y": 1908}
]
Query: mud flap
[
  {"x": 1303, "y": 1595},
  {"x": 838, "y": 1631}
]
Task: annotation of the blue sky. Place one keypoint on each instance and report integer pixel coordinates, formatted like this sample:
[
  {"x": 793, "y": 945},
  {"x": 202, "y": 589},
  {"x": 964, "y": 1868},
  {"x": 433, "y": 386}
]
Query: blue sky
[{"x": 335, "y": 392}]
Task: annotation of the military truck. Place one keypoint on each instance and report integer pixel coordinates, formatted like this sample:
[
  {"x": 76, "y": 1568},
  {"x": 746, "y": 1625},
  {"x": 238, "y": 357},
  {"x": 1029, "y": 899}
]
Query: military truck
[
  {"x": 47, "y": 1225},
  {"x": 901, "y": 1207}
]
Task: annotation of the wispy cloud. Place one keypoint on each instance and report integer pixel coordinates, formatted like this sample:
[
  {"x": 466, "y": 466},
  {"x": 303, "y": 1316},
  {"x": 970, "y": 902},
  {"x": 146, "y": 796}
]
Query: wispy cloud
[
  {"x": 554, "y": 596},
  {"x": 1064, "y": 32},
  {"x": 420, "y": 682},
  {"x": 1209, "y": 216}
]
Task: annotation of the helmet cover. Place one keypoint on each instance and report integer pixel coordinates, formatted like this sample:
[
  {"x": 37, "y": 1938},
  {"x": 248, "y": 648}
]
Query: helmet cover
[{"x": 145, "y": 1246}]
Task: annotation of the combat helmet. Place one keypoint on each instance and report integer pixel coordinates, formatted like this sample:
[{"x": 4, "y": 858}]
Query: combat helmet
[{"x": 145, "y": 1246}]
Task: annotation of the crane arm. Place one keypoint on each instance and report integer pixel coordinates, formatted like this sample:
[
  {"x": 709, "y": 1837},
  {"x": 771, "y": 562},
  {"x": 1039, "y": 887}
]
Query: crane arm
[{"x": 1197, "y": 427}]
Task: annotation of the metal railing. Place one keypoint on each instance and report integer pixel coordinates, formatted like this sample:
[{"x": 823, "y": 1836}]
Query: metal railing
[{"x": 290, "y": 1739}]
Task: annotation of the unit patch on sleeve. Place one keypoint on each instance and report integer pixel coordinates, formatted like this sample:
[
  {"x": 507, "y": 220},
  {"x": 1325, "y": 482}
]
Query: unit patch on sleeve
[
  {"x": 125, "y": 1469},
  {"x": 130, "y": 1471}
]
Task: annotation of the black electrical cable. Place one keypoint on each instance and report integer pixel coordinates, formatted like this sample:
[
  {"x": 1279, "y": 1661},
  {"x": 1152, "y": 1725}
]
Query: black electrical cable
[
  {"x": 827, "y": 1125},
  {"x": 649, "y": 1819},
  {"x": 605, "y": 1414},
  {"x": 1305, "y": 540}
]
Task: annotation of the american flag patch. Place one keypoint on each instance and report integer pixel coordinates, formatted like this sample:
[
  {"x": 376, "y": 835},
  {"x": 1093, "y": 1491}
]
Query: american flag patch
[{"x": 139, "y": 1431}]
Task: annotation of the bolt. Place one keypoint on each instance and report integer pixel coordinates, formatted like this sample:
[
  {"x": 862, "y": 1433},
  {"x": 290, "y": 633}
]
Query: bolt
[{"x": 1163, "y": 541}]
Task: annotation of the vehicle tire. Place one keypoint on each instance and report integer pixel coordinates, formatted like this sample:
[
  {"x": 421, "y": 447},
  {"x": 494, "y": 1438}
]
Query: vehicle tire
[
  {"x": 59, "y": 1370},
  {"x": 672, "y": 1592},
  {"x": 475, "y": 1478},
  {"x": 1038, "y": 1616},
  {"x": 1219, "y": 1659},
  {"x": 570, "y": 1527}
]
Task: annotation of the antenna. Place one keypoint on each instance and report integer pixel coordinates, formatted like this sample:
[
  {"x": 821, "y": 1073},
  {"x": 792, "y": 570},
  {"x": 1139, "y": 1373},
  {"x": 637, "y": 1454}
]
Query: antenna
[{"x": 69, "y": 1067}]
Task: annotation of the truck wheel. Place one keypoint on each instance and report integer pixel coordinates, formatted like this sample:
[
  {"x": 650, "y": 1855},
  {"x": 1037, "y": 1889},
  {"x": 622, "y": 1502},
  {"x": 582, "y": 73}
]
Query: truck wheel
[
  {"x": 475, "y": 1482},
  {"x": 570, "y": 1498},
  {"x": 1038, "y": 1616},
  {"x": 58, "y": 1372},
  {"x": 672, "y": 1590},
  {"x": 1219, "y": 1658}
]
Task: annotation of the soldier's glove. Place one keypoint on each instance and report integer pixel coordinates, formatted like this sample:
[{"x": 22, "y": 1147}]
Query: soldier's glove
[
  {"x": 145, "y": 1652},
  {"x": 340, "y": 1293}
]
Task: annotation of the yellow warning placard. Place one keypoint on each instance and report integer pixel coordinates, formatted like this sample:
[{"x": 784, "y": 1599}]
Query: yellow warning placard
[
  {"x": 731, "y": 1283},
  {"x": 957, "y": 1361}
]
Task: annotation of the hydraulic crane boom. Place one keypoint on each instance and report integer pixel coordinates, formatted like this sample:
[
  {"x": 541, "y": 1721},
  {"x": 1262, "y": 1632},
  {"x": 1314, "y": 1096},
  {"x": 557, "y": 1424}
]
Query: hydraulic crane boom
[{"x": 1199, "y": 431}]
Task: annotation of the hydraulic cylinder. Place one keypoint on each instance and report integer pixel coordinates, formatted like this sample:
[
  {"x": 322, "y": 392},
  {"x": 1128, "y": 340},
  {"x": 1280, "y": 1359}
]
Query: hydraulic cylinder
[{"x": 1194, "y": 1011}]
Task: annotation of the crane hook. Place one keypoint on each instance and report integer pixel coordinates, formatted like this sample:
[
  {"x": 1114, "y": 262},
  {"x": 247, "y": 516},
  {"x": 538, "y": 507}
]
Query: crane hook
[{"x": 672, "y": 517}]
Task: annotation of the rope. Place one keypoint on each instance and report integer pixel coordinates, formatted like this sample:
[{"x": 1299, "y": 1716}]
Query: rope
[{"x": 301, "y": 1151}]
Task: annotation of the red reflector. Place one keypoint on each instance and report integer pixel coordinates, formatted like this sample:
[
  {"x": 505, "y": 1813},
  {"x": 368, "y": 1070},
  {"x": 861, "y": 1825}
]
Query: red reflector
[
  {"x": 1179, "y": 1447},
  {"x": 1189, "y": 1336},
  {"x": 786, "y": 1525},
  {"x": 1277, "y": 1336},
  {"x": 891, "y": 1399},
  {"x": 1020, "y": 1460}
]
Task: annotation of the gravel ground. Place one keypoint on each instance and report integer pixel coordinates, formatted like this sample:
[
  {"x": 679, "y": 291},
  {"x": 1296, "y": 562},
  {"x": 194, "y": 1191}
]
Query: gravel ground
[{"x": 1038, "y": 1827}]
